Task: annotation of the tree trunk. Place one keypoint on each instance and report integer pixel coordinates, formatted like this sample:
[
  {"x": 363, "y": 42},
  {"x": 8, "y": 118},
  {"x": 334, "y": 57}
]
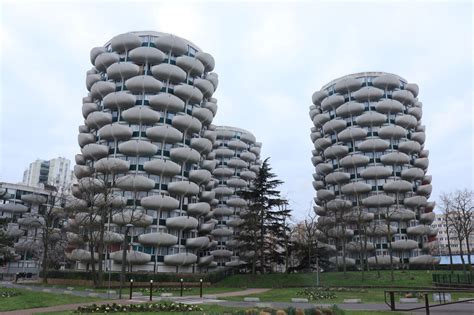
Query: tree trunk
[
  {"x": 124, "y": 259},
  {"x": 461, "y": 252},
  {"x": 449, "y": 246},
  {"x": 44, "y": 264},
  {"x": 100, "y": 250},
  {"x": 262, "y": 247},
  {"x": 389, "y": 239},
  {"x": 468, "y": 248}
]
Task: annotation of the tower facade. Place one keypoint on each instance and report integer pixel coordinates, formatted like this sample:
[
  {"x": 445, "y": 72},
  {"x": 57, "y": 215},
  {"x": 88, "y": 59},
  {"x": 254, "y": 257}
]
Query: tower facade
[
  {"x": 147, "y": 134},
  {"x": 371, "y": 180}
]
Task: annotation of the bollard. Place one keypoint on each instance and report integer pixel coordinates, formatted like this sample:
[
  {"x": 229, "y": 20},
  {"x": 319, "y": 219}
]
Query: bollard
[
  {"x": 392, "y": 300},
  {"x": 181, "y": 286},
  {"x": 427, "y": 304},
  {"x": 151, "y": 290},
  {"x": 131, "y": 288},
  {"x": 200, "y": 289}
]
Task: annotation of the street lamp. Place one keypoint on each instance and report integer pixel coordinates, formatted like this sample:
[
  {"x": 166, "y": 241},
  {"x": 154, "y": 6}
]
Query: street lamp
[
  {"x": 200, "y": 289},
  {"x": 124, "y": 258},
  {"x": 181, "y": 286},
  {"x": 151, "y": 290}
]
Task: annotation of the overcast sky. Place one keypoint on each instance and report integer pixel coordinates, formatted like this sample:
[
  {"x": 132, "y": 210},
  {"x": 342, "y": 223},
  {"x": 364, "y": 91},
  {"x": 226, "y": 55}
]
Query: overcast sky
[{"x": 270, "y": 57}]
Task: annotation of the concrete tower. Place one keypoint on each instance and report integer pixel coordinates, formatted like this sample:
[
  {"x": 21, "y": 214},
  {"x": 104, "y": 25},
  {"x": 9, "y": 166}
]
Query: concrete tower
[{"x": 371, "y": 182}]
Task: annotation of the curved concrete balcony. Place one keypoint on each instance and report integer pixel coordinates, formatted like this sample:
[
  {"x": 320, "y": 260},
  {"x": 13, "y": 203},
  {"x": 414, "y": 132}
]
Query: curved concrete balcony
[
  {"x": 198, "y": 209},
  {"x": 149, "y": 55},
  {"x": 321, "y": 119},
  {"x": 112, "y": 200},
  {"x": 340, "y": 261},
  {"x": 418, "y": 230},
  {"x": 141, "y": 115},
  {"x": 188, "y": 93},
  {"x": 358, "y": 216},
  {"x": 166, "y": 102},
  {"x": 197, "y": 242},
  {"x": 368, "y": 93},
  {"x": 339, "y": 205},
  {"x": 236, "y": 202},
  {"x": 206, "y": 87},
  {"x": 395, "y": 158},
  {"x": 143, "y": 84},
  {"x": 404, "y": 245},
  {"x": 81, "y": 171},
  {"x": 223, "y": 191},
  {"x": 157, "y": 239},
  {"x": 205, "y": 260},
  {"x": 182, "y": 223},
  {"x": 433, "y": 232},
  {"x": 322, "y": 143},
  {"x": 137, "y": 148},
  {"x": 115, "y": 131},
  {"x": 165, "y": 72},
  {"x": 100, "y": 89},
  {"x": 383, "y": 260},
  {"x": 398, "y": 186},
  {"x": 95, "y": 52},
  {"x": 233, "y": 244},
  {"x": 313, "y": 111},
  {"x": 412, "y": 174},
  {"x": 381, "y": 230},
  {"x": 221, "y": 232},
  {"x": 122, "y": 71},
  {"x": 135, "y": 183},
  {"x": 248, "y": 138},
  {"x": 419, "y": 137},
  {"x": 415, "y": 201},
  {"x": 237, "y": 163},
  {"x": 137, "y": 218},
  {"x": 104, "y": 60},
  {"x": 171, "y": 44},
  {"x": 389, "y": 106},
  {"x": 85, "y": 138},
  {"x": 206, "y": 59},
  {"x": 159, "y": 202},
  {"x": 79, "y": 159},
  {"x": 415, "y": 111},
  {"x": 223, "y": 211},
  {"x": 406, "y": 121},
  {"x": 183, "y": 188},
  {"x": 392, "y": 132},
  {"x": 374, "y": 145},
  {"x": 334, "y": 126},
  {"x": 132, "y": 257},
  {"x": 110, "y": 237},
  {"x": 421, "y": 260},
  {"x": 403, "y": 96},
  {"x": 401, "y": 215},
  {"x": 409, "y": 147},
  {"x": 187, "y": 123},
  {"x": 211, "y": 106},
  {"x": 255, "y": 168},
  {"x": 81, "y": 255},
  {"x": 185, "y": 155},
  {"x": 424, "y": 190},
  {"x": 350, "y": 109},
  {"x": 34, "y": 198},
  {"x": 88, "y": 108},
  {"x": 324, "y": 168},
  {"x": 337, "y": 178},
  {"x": 93, "y": 151},
  {"x": 210, "y": 134},
  {"x": 90, "y": 184},
  {"x": 339, "y": 232},
  {"x": 200, "y": 176},
  {"x": 424, "y": 153},
  {"x": 73, "y": 238},
  {"x": 354, "y": 161},
  {"x": 221, "y": 253},
  {"x": 413, "y": 88},
  {"x": 236, "y": 182},
  {"x": 371, "y": 119},
  {"x": 326, "y": 221},
  {"x": 112, "y": 166},
  {"x": 164, "y": 133},
  {"x": 357, "y": 247},
  {"x": 318, "y": 96},
  {"x": 321, "y": 211},
  {"x": 248, "y": 175},
  {"x": 356, "y": 188},
  {"x": 235, "y": 223},
  {"x": 324, "y": 194},
  {"x": 207, "y": 226},
  {"x": 332, "y": 102},
  {"x": 421, "y": 163},
  {"x": 95, "y": 120},
  {"x": 427, "y": 218},
  {"x": 336, "y": 151},
  {"x": 13, "y": 207},
  {"x": 376, "y": 172},
  {"x": 386, "y": 81},
  {"x": 125, "y": 42},
  {"x": 85, "y": 218},
  {"x": 207, "y": 196},
  {"x": 237, "y": 145},
  {"x": 223, "y": 153},
  {"x": 378, "y": 201},
  {"x": 347, "y": 85},
  {"x": 122, "y": 100},
  {"x": 181, "y": 259},
  {"x": 202, "y": 145}
]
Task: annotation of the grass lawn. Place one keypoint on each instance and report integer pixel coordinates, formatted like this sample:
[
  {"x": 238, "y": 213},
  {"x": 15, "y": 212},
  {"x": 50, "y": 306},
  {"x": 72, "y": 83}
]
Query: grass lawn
[
  {"x": 406, "y": 278},
  {"x": 30, "y": 299}
]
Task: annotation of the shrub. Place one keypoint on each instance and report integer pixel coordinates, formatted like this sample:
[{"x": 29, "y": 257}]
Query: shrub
[
  {"x": 144, "y": 308},
  {"x": 317, "y": 294},
  {"x": 6, "y": 293}
]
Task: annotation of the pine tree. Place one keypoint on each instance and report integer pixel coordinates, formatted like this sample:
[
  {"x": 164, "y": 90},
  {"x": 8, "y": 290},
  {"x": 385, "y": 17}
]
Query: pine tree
[{"x": 264, "y": 230}]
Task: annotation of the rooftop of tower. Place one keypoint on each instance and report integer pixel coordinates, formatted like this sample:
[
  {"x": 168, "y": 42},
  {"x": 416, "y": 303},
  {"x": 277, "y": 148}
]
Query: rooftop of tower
[
  {"x": 233, "y": 129},
  {"x": 362, "y": 74},
  {"x": 154, "y": 33}
]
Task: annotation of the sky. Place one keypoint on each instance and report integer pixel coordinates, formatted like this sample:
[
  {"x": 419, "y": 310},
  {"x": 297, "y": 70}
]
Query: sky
[{"x": 270, "y": 57}]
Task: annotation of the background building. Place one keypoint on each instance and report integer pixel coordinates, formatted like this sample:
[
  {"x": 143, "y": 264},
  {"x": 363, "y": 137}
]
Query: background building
[
  {"x": 441, "y": 246},
  {"x": 371, "y": 167},
  {"x": 55, "y": 172}
]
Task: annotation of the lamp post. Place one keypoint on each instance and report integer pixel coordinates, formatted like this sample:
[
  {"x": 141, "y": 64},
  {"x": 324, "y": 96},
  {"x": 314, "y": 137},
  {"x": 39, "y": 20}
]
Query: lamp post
[
  {"x": 124, "y": 258},
  {"x": 131, "y": 288},
  {"x": 151, "y": 290},
  {"x": 181, "y": 286},
  {"x": 200, "y": 289}
]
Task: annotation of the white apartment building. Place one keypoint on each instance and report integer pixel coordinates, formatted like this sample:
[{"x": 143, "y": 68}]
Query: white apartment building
[
  {"x": 55, "y": 172},
  {"x": 442, "y": 239}
]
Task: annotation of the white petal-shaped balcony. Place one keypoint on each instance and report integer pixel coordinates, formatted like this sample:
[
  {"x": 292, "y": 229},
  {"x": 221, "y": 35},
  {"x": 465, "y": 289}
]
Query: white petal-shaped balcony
[
  {"x": 383, "y": 260},
  {"x": 207, "y": 227},
  {"x": 334, "y": 126},
  {"x": 114, "y": 201},
  {"x": 110, "y": 237},
  {"x": 207, "y": 196},
  {"x": 198, "y": 208},
  {"x": 102, "y": 88},
  {"x": 419, "y": 137},
  {"x": 378, "y": 201},
  {"x": 340, "y": 259},
  {"x": 223, "y": 191},
  {"x": 395, "y": 158},
  {"x": 338, "y": 205},
  {"x": 88, "y": 108},
  {"x": 418, "y": 230},
  {"x": 392, "y": 132},
  {"x": 324, "y": 194},
  {"x": 141, "y": 115},
  {"x": 427, "y": 218},
  {"x": 159, "y": 202},
  {"x": 386, "y": 81},
  {"x": 125, "y": 42},
  {"x": 150, "y": 55},
  {"x": 358, "y": 216},
  {"x": 413, "y": 173},
  {"x": 143, "y": 84},
  {"x": 354, "y": 161},
  {"x": 91, "y": 79},
  {"x": 221, "y": 253},
  {"x": 339, "y": 232},
  {"x": 356, "y": 188},
  {"x": 185, "y": 155},
  {"x": 166, "y": 71},
  {"x": 248, "y": 156},
  {"x": 135, "y": 183},
  {"x": 79, "y": 159},
  {"x": 236, "y": 202},
  {"x": 424, "y": 190},
  {"x": 136, "y": 217},
  {"x": 409, "y": 147},
  {"x": 184, "y": 188},
  {"x": 94, "y": 151},
  {"x": 320, "y": 211},
  {"x": 237, "y": 145},
  {"x": 187, "y": 123},
  {"x": 357, "y": 247},
  {"x": 424, "y": 153},
  {"x": 318, "y": 96},
  {"x": 237, "y": 163},
  {"x": 336, "y": 151},
  {"x": 406, "y": 121},
  {"x": 337, "y": 178},
  {"x": 166, "y": 102},
  {"x": 96, "y": 120},
  {"x": 87, "y": 218},
  {"x": 209, "y": 165},
  {"x": 413, "y": 88},
  {"x": 371, "y": 119},
  {"x": 104, "y": 60},
  {"x": 157, "y": 239},
  {"x": 211, "y": 135},
  {"x": 427, "y": 179},
  {"x": 203, "y": 114},
  {"x": 81, "y": 255},
  {"x": 320, "y": 119},
  {"x": 223, "y": 172},
  {"x": 13, "y": 207},
  {"x": 96, "y": 51},
  {"x": 374, "y": 145},
  {"x": 211, "y": 106},
  {"x": 137, "y": 148},
  {"x": 200, "y": 176},
  {"x": 224, "y": 153},
  {"x": 206, "y": 59},
  {"x": 235, "y": 222},
  {"x": 197, "y": 242},
  {"x": 188, "y": 93},
  {"x": 115, "y": 131},
  {"x": 205, "y": 260},
  {"x": 387, "y": 106},
  {"x": 398, "y": 186},
  {"x": 202, "y": 145},
  {"x": 181, "y": 259},
  {"x": 324, "y": 168},
  {"x": 248, "y": 175},
  {"x": 403, "y": 96},
  {"x": 121, "y": 99},
  {"x": 401, "y": 214},
  {"x": 421, "y": 260},
  {"x": 415, "y": 201},
  {"x": 112, "y": 166},
  {"x": 72, "y": 238},
  {"x": 248, "y": 138},
  {"x": 164, "y": 133},
  {"x": 313, "y": 111},
  {"x": 322, "y": 143},
  {"x": 380, "y": 230},
  {"x": 376, "y": 172},
  {"x": 81, "y": 171},
  {"x": 122, "y": 70},
  {"x": 171, "y": 44},
  {"x": 190, "y": 65},
  {"x": 182, "y": 223},
  {"x": 223, "y": 211},
  {"x": 132, "y": 257},
  {"x": 83, "y": 129},
  {"x": 350, "y": 109},
  {"x": 347, "y": 85},
  {"x": 85, "y": 138},
  {"x": 221, "y": 232},
  {"x": 332, "y": 102},
  {"x": 352, "y": 134},
  {"x": 368, "y": 93}
]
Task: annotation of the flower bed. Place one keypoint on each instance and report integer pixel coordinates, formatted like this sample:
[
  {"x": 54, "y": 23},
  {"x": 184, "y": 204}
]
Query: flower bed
[
  {"x": 148, "y": 307},
  {"x": 316, "y": 294},
  {"x": 5, "y": 293}
]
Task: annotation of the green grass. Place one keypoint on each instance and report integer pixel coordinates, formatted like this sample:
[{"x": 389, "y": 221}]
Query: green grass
[
  {"x": 30, "y": 299},
  {"x": 405, "y": 278}
]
